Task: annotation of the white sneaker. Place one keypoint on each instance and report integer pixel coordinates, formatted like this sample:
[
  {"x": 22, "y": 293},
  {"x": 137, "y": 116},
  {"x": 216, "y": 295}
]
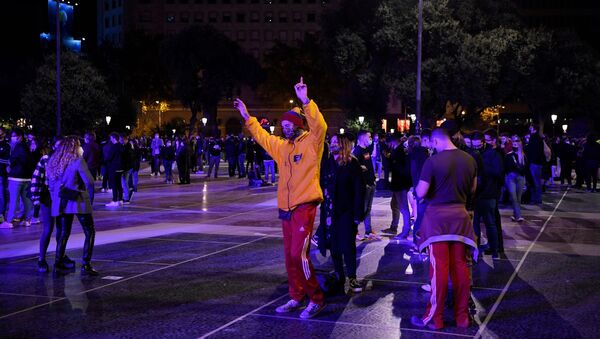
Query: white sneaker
[
  {"x": 35, "y": 220},
  {"x": 103, "y": 190},
  {"x": 112, "y": 204},
  {"x": 7, "y": 224},
  {"x": 311, "y": 310},
  {"x": 120, "y": 202},
  {"x": 426, "y": 287},
  {"x": 290, "y": 306}
]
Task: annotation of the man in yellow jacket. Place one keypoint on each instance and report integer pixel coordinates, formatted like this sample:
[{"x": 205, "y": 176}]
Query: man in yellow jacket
[{"x": 298, "y": 156}]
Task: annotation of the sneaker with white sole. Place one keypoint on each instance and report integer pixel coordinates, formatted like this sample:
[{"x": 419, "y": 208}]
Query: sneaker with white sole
[
  {"x": 355, "y": 286},
  {"x": 6, "y": 224},
  {"x": 113, "y": 204},
  {"x": 311, "y": 310},
  {"x": 35, "y": 220},
  {"x": 290, "y": 306}
]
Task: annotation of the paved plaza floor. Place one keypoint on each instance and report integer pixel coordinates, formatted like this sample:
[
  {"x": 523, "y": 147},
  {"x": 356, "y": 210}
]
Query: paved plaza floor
[{"x": 206, "y": 260}]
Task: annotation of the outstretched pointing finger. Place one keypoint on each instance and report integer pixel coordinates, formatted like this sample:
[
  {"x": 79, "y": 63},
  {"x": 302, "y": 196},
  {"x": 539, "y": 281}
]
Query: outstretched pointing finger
[{"x": 302, "y": 80}]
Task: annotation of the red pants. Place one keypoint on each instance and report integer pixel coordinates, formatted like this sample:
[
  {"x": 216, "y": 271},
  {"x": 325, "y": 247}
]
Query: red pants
[
  {"x": 448, "y": 256},
  {"x": 296, "y": 244}
]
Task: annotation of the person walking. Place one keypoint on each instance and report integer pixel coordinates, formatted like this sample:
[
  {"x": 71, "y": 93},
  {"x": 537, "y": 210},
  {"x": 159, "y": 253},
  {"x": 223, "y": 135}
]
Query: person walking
[
  {"x": 20, "y": 172},
  {"x": 298, "y": 155},
  {"x": 114, "y": 167},
  {"x": 516, "y": 168}
]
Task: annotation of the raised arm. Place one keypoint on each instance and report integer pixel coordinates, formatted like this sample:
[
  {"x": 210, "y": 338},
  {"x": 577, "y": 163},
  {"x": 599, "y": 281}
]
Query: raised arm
[
  {"x": 314, "y": 118},
  {"x": 269, "y": 142}
]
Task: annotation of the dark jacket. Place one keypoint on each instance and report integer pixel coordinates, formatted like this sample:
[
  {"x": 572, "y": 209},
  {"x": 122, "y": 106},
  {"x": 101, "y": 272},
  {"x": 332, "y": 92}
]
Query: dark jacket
[
  {"x": 91, "y": 154},
  {"x": 167, "y": 153},
  {"x": 535, "y": 150},
  {"x": 4, "y": 157},
  {"x": 400, "y": 169},
  {"x": 364, "y": 159},
  {"x": 128, "y": 157},
  {"x": 344, "y": 195},
  {"x": 492, "y": 175},
  {"x": 21, "y": 163},
  {"x": 511, "y": 164},
  {"x": 417, "y": 158},
  {"x": 113, "y": 157}
]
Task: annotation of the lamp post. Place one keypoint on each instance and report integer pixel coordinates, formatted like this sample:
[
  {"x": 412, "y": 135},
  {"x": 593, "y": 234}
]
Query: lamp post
[
  {"x": 564, "y": 128},
  {"x": 392, "y": 131},
  {"x": 204, "y": 121},
  {"x": 553, "y": 117},
  {"x": 342, "y": 131},
  {"x": 272, "y": 129},
  {"x": 159, "y": 114},
  {"x": 108, "y": 118},
  {"x": 361, "y": 119},
  {"x": 174, "y": 131}
]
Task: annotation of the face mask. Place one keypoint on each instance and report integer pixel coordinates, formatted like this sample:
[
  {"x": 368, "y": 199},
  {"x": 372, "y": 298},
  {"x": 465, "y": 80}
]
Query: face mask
[{"x": 335, "y": 149}]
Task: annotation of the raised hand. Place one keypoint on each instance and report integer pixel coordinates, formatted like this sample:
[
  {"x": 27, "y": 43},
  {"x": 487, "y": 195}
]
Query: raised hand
[
  {"x": 302, "y": 92},
  {"x": 240, "y": 106}
]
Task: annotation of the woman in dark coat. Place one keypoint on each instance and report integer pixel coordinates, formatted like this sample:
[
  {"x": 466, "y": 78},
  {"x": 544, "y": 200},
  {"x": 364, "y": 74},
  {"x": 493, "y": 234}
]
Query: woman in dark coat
[{"x": 344, "y": 191}]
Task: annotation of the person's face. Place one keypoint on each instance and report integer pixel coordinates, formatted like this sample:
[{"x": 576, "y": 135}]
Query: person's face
[
  {"x": 468, "y": 142},
  {"x": 156, "y": 136},
  {"x": 14, "y": 137},
  {"x": 425, "y": 142},
  {"x": 516, "y": 143},
  {"x": 532, "y": 130},
  {"x": 490, "y": 141},
  {"x": 477, "y": 143},
  {"x": 366, "y": 139},
  {"x": 334, "y": 145},
  {"x": 288, "y": 129}
]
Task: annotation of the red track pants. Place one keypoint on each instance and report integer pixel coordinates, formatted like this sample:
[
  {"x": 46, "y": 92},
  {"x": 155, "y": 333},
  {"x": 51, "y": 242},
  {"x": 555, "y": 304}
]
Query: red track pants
[
  {"x": 296, "y": 243},
  {"x": 448, "y": 256}
]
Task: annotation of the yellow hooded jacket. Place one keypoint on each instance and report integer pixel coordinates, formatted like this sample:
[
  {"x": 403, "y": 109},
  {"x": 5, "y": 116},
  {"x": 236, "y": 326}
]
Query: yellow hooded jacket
[{"x": 299, "y": 161}]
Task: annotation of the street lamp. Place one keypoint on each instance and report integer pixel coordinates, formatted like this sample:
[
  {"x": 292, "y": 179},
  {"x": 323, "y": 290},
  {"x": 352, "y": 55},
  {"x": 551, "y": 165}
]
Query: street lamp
[
  {"x": 174, "y": 130},
  {"x": 391, "y": 131},
  {"x": 564, "y": 127},
  {"x": 291, "y": 101},
  {"x": 128, "y": 127},
  {"x": 413, "y": 118},
  {"x": 342, "y": 131},
  {"x": 553, "y": 117},
  {"x": 108, "y": 117},
  {"x": 204, "y": 121},
  {"x": 361, "y": 119},
  {"x": 272, "y": 129}
]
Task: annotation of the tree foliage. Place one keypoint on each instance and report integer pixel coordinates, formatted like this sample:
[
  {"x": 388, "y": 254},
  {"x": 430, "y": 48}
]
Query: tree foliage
[
  {"x": 85, "y": 98},
  {"x": 205, "y": 66}
]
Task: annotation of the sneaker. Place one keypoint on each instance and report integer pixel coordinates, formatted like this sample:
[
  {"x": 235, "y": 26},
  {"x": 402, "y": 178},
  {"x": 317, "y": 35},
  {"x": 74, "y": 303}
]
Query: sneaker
[
  {"x": 42, "y": 266},
  {"x": 418, "y": 322},
  {"x": 126, "y": 202},
  {"x": 112, "y": 204},
  {"x": 520, "y": 219},
  {"x": 426, "y": 287},
  {"x": 390, "y": 230},
  {"x": 35, "y": 221},
  {"x": 359, "y": 237},
  {"x": 355, "y": 286},
  {"x": 290, "y": 306},
  {"x": 311, "y": 310},
  {"x": 120, "y": 202},
  {"x": 103, "y": 190},
  {"x": 25, "y": 223},
  {"x": 372, "y": 236},
  {"x": 7, "y": 224}
]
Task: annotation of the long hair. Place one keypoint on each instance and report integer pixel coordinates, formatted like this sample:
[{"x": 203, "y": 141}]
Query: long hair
[
  {"x": 345, "y": 154},
  {"x": 66, "y": 152},
  {"x": 520, "y": 150}
]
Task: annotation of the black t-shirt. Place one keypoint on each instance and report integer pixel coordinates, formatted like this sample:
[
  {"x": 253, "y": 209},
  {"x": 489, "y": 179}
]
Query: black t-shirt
[
  {"x": 364, "y": 159},
  {"x": 450, "y": 175}
]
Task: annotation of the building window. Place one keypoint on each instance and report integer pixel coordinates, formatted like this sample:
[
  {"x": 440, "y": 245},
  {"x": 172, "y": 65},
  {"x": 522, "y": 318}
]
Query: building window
[
  {"x": 226, "y": 17},
  {"x": 269, "y": 17},
  {"x": 297, "y": 17},
  {"x": 240, "y": 17},
  {"x": 184, "y": 17},
  {"x": 114, "y": 21},
  {"x": 255, "y": 53},
  {"x": 311, "y": 17},
  {"x": 114, "y": 5},
  {"x": 297, "y": 35},
  {"x": 254, "y": 36},
  {"x": 106, "y": 22},
  {"x": 171, "y": 18},
  {"x": 199, "y": 17},
  {"x": 106, "y": 5},
  {"x": 212, "y": 17},
  {"x": 268, "y": 35},
  {"x": 120, "y": 20},
  {"x": 283, "y": 35},
  {"x": 145, "y": 16},
  {"x": 241, "y": 36},
  {"x": 283, "y": 18},
  {"x": 254, "y": 17}
]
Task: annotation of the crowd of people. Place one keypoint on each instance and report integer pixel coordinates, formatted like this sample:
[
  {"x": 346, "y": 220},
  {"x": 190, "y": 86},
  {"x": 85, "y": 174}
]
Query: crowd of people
[{"x": 444, "y": 184}]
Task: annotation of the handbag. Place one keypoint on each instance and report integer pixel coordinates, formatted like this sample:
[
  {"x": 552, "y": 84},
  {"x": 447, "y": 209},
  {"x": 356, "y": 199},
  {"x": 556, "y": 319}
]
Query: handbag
[{"x": 66, "y": 193}]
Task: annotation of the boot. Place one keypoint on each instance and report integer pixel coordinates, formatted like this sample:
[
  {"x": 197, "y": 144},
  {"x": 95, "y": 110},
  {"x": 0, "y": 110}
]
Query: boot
[{"x": 87, "y": 269}]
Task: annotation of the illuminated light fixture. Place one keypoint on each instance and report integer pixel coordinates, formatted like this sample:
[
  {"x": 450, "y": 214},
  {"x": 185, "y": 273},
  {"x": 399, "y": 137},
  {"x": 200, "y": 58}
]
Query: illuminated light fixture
[
  {"x": 158, "y": 102},
  {"x": 82, "y": 39},
  {"x": 361, "y": 119},
  {"x": 554, "y": 117},
  {"x": 174, "y": 130},
  {"x": 463, "y": 113},
  {"x": 204, "y": 121},
  {"x": 272, "y": 129},
  {"x": 30, "y": 126},
  {"x": 392, "y": 131},
  {"x": 108, "y": 118},
  {"x": 291, "y": 101},
  {"x": 413, "y": 117},
  {"x": 342, "y": 131},
  {"x": 128, "y": 127},
  {"x": 564, "y": 127}
]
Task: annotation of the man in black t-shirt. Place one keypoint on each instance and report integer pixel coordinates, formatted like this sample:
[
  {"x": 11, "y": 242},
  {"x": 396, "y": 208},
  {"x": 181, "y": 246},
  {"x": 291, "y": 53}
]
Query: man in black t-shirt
[{"x": 362, "y": 151}]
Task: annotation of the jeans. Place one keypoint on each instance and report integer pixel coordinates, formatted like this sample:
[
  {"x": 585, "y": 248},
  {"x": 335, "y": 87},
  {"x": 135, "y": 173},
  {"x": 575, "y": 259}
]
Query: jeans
[
  {"x": 125, "y": 184},
  {"x": 168, "y": 164},
  {"x": 231, "y": 165},
  {"x": 241, "y": 159},
  {"x": 47, "y": 227},
  {"x": 64, "y": 223},
  {"x": 133, "y": 180},
  {"x": 213, "y": 163},
  {"x": 156, "y": 164},
  {"x": 369, "y": 195},
  {"x": 269, "y": 168},
  {"x": 515, "y": 184},
  {"x": 591, "y": 174},
  {"x": 399, "y": 204},
  {"x": 536, "y": 177},
  {"x": 3, "y": 195},
  {"x": 17, "y": 191},
  {"x": 486, "y": 209}
]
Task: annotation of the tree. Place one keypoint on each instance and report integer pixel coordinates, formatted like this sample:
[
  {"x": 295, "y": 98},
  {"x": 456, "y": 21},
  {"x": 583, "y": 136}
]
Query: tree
[
  {"x": 85, "y": 98},
  {"x": 205, "y": 66}
]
